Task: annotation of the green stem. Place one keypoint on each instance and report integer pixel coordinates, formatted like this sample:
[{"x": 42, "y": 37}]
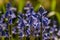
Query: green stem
[
  {"x": 21, "y": 5},
  {"x": 53, "y": 5}
]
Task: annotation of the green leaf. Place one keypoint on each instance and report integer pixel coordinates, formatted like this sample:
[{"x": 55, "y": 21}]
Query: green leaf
[
  {"x": 35, "y": 4},
  {"x": 21, "y": 5},
  {"x": 58, "y": 17},
  {"x": 37, "y": 7},
  {"x": 4, "y": 9},
  {"x": 53, "y": 5},
  {"x": 3, "y": 37}
]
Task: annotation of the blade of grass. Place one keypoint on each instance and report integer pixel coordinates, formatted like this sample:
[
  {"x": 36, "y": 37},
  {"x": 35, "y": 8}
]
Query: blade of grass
[
  {"x": 3, "y": 37},
  {"x": 58, "y": 17},
  {"x": 32, "y": 37},
  {"x": 37, "y": 7},
  {"x": 4, "y": 9},
  {"x": 24, "y": 38},
  {"x": 21, "y": 5},
  {"x": 53, "y": 5}
]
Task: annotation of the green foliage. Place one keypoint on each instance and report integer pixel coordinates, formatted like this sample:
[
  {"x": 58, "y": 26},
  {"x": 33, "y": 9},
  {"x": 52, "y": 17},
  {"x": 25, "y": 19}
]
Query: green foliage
[
  {"x": 53, "y": 5},
  {"x": 36, "y": 4},
  {"x": 21, "y": 5},
  {"x": 58, "y": 17}
]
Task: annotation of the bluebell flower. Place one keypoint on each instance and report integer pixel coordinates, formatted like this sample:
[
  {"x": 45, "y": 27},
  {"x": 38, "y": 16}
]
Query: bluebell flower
[
  {"x": 0, "y": 29},
  {"x": 3, "y": 16},
  {"x": 45, "y": 21},
  {"x": 28, "y": 13},
  {"x": 6, "y": 34},
  {"x": 7, "y": 13},
  {"x": 20, "y": 15},
  {"x": 3, "y": 33},
  {"x": 13, "y": 30},
  {"x": 54, "y": 22},
  {"x": 21, "y": 34},
  {"x": 28, "y": 6},
  {"x": 20, "y": 22},
  {"x": 30, "y": 19},
  {"x": 27, "y": 32},
  {"x": 38, "y": 17},
  {"x": 51, "y": 30},
  {"x": 58, "y": 33},
  {"x": 32, "y": 12},
  {"x": 10, "y": 21},
  {"x": 1, "y": 21},
  {"x": 13, "y": 15},
  {"x": 46, "y": 35},
  {"x": 36, "y": 23},
  {"x": 10, "y": 14},
  {"x": 42, "y": 11},
  {"x": 4, "y": 26},
  {"x": 18, "y": 26},
  {"x": 8, "y": 5},
  {"x": 55, "y": 29}
]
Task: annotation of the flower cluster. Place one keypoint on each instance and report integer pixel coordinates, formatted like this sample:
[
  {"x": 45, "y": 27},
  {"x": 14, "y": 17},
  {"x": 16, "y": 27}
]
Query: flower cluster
[{"x": 29, "y": 23}]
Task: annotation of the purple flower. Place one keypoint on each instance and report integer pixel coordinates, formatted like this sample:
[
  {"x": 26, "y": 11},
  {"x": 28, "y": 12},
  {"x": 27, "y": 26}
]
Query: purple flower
[
  {"x": 28, "y": 32},
  {"x": 8, "y": 5},
  {"x": 10, "y": 21},
  {"x": 6, "y": 34},
  {"x": 13, "y": 30},
  {"x": 28, "y": 6},
  {"x": 46, "y": 35},
  {"x": 58, "y": 33},
  {"x": 42, "y": 11},
  {"x": 45, "y": 21},
  {"x": 0, "y": 29}
]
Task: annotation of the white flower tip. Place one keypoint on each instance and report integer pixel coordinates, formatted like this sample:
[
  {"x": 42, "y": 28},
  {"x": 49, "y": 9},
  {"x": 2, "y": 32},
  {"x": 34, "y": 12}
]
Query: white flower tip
[
  {"x": 58, "y": 33},
  {"x": 51, "y": 14},
  {"x": 28, "y": 1},
  {"x": 12, "y": 8}
]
